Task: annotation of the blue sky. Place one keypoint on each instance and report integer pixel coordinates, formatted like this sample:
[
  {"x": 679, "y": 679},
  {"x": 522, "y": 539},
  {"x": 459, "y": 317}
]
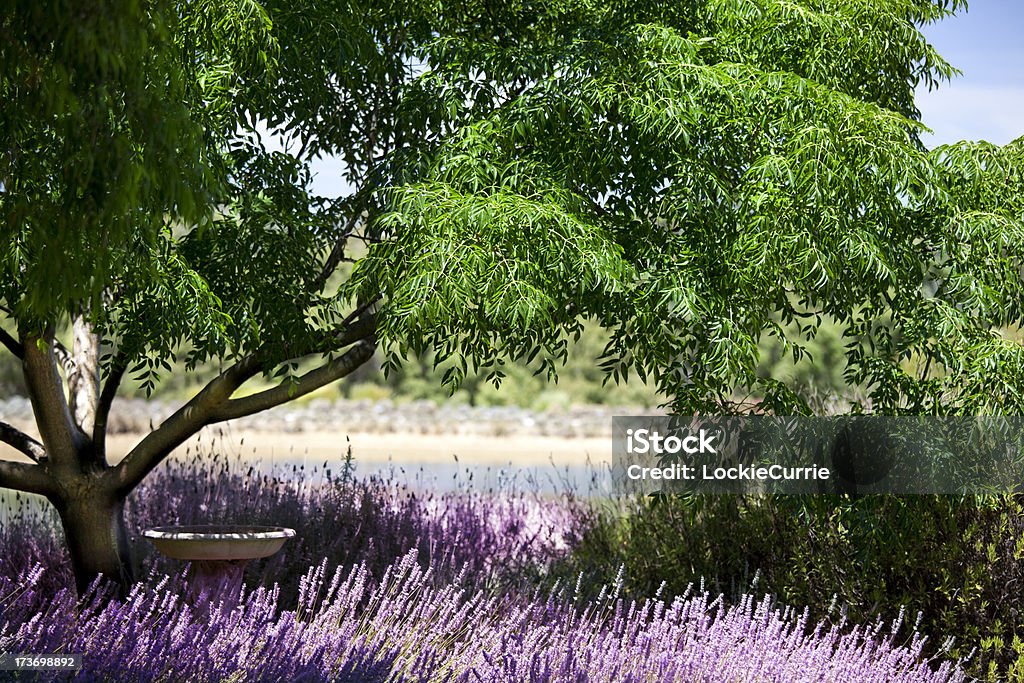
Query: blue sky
[{"x": 987, "y": 101}]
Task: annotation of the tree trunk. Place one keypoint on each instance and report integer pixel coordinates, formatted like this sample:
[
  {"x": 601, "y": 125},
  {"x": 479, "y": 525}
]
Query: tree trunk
[
  {"x": 70, "y": 467},
  {"x": 97, "y": 540}
]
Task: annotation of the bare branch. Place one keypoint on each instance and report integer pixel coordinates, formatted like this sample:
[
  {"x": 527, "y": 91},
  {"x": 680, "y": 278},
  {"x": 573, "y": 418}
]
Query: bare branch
[
  {"x": 357, "y": 325},
  {"x": 367, "y": 239},
  {"x": 27, "y": 478},
  {"x": 173, "y": 431},
  {"x": 61, "y": 435},
  {"x": 64, "y": 357},
  {"x": 292, "y": 389},
  {"x": 13, "y": 436},
  {"x": 214, "y": 404},
  {"x": 12, "y": 344},
  {"x": 335, "y": 257},
  {"x": 106, "y": 401}
]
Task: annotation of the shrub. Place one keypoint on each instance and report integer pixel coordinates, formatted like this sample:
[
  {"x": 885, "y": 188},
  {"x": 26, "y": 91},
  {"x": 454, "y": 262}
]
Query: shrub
[{"x": 957, "y": 562}]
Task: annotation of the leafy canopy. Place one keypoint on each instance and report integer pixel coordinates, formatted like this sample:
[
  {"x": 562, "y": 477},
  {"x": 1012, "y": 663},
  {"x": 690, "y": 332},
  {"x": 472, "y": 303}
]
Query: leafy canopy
[{"x": 694, "y": 175}]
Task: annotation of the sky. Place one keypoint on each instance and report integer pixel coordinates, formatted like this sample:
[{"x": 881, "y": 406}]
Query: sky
[{"x": 987, "y": 102}]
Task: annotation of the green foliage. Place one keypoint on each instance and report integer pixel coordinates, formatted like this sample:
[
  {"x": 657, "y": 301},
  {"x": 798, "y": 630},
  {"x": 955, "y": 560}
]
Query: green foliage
[
  {"x": 949, "y": 343},
  {"x": 580, "y": 382},
  {"x": 816, "y": 371},
  {"x": 696, "y": 176},
  {"x": 957, "y": 562},
  {"x": 106, "y": 139},
  {"x": 709, "y": 174}
]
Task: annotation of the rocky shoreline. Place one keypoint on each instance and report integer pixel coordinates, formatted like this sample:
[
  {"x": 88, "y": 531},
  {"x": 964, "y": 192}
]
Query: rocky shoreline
[{"x": 374, "y": 417}]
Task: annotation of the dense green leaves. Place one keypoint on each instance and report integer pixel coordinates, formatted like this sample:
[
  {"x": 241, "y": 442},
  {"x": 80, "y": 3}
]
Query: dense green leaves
[
  {"x": 98, "y": 144},
  {"x": 755, "y": 166},
  {"x": 695, "y": 176},
  {"x": 953, "y": 342}
]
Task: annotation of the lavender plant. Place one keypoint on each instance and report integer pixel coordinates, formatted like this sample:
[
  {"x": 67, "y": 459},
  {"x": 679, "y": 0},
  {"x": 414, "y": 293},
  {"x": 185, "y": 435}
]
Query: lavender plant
[
  {"x": 387, "y": 583},
  {"x": 345, "y": 520},
  {"x": 408, "y": 627}
]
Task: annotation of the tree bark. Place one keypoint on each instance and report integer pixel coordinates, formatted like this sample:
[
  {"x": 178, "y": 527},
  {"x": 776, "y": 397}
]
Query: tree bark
[
  {"x": 97, "y": 540},
  {"x": 84, "y": 375},
  {"x": 61, "y": 437}
]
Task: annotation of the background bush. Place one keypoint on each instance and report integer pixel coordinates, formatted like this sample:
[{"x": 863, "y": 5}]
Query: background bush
[{"x": 580, "y": 381}]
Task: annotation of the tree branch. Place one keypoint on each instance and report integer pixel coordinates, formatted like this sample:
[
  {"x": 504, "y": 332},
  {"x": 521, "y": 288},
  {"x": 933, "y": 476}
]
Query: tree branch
[
  {"x": 27, "y": 478},
  {"x": 99, "y": 432},
  {"x": 64, "y": 357},
  {"x": 60, "y": 434},
  {"x": 357, "y": 325},
  {"x": 173, "y": 431},
  {"x": 12, "y": 436},
  {"x": 214, "y": 404},
  {"x": 12, "y": 344},
  {"x": 293, "y": 389},
  {"x": 335, "y": 256},
  {"x": 83, "y": 375}
]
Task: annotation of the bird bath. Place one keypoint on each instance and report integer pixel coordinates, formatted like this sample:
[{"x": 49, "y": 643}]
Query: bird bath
[{"x": 218, "y": 552}]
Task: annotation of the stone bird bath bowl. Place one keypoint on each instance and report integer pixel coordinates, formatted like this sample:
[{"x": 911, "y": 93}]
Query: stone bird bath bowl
[{"x": 218, "y": 552}]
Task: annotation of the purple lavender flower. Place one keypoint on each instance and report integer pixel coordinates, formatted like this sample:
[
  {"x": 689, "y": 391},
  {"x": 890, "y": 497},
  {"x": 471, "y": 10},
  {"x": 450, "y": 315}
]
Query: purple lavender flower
[
  {"x": 406, "y": 626},
  {"x": 390, "y": 584}
]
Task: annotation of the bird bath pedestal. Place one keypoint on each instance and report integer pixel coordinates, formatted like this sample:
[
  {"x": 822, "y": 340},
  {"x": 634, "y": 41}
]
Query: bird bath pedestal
[{"x": 218, "y": 553}]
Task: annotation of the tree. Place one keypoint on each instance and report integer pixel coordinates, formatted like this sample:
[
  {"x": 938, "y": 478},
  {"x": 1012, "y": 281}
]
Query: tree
[{"x": 693, "y": 175}]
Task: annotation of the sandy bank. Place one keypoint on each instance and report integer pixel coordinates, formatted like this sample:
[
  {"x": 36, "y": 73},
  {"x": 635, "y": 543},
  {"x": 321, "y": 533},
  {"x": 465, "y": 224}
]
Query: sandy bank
[{"x": 318, "y": 446}]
